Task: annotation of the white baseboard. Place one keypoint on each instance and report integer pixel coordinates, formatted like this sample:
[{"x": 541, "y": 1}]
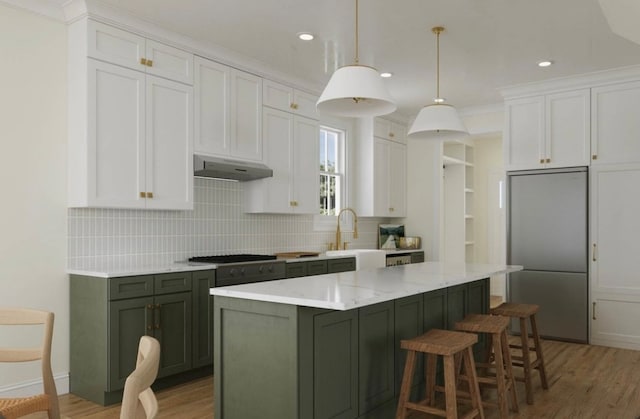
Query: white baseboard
[{"x": 29, "y": 388}]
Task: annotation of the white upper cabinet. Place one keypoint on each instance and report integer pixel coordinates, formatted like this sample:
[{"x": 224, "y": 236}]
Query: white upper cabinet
[
  {"x": 389, "y": 130},
  {"x": 129, "y": 50},
  {"x": 548, "y": 131},
  {"x": 130, "y": 135},
  {"x": 615, "y": 122},
  {"x": 288, "y": 99},
  {"x": 292, "y": 152},
  {"x": 228, "y": 112},
  {"x": 381, "y": 174}
]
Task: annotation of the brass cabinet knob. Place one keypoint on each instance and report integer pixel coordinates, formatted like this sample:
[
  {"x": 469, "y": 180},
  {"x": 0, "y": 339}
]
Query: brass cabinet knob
[
  {"x": 548, "y": 160},
  {"x": 149, "y": 194},
  {"x": 594, "y": 157},
  {"x": 541, "y": 161},
  {"x": 391, "y": 135},
  {"x": 149, "y": 63},
  {"x": 143, "y": 61}
]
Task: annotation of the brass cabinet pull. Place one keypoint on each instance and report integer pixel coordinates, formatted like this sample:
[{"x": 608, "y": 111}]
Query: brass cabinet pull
[
  {"x": 392, "y": 209},
  {"x": 391, "y": 135},
  {"x": 292, "y": 203},
  {"x": 149, "y": 194},
  {"x": 548, "y": 160},
  {"x": 593, "y": 254},
  {"x": 593, "y": 312},
  {"x": 541, "y": 161},
  {"x": 143, "y": 61},
  {"x": 143, "y": 194},
  {"x": 293, "y": 106},
  {"x": 594, "y": 157},
  {"x": 149, "y": 324},
  {"x": 149, "y": 63}
]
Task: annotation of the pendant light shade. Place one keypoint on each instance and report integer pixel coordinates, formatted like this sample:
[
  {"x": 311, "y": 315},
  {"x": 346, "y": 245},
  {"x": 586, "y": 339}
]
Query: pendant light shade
[
  {"x": 438, "y": 121},
  {"x": 356, "y": 90}
]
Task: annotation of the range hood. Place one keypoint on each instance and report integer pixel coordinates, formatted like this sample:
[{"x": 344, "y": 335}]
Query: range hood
[{"x": 221, "y": 168}]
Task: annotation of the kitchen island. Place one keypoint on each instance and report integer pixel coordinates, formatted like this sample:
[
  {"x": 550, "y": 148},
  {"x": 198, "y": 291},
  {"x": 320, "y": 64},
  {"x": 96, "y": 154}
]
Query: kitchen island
[{"x": 327, "y": 346}]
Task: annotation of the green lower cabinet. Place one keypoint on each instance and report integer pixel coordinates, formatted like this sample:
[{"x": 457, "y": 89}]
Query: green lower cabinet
[
  {"x": 409, "y": 323},
  {"x": 108, "y": 317},
  {"x": 335, "y": 371},
  {"x": 376, "y": 355},
  {"x": 172, "y": 328},
  {"x": 202, "y": 308},
  {"x": 296, "y": 269},
  {"x": 341, "y": 265},
  {"x": 457, "y": 297},
  {"x": 129, "y": 320},
  {"x": 478, "y": 303}
]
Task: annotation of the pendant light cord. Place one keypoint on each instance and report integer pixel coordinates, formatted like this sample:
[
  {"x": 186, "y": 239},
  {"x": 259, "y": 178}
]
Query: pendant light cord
[
  {"x": 437, "y": 30},
  {"x": 357, "y": 55}
]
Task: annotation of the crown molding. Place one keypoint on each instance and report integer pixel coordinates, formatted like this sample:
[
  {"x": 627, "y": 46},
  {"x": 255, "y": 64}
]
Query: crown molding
[
  {"x": 75, "y": 10},
  {"x": 580, "y": 81},
  {"x": 43, "y": 8}
]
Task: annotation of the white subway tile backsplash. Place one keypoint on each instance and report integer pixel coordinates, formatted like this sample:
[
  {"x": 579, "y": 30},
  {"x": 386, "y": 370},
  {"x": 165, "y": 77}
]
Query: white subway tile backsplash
[{"x": 112, "y": 238}]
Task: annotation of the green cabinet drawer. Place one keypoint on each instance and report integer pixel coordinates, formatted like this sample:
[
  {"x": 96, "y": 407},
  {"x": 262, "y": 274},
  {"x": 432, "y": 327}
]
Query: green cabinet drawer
[
  {"x": 317, "y": 267},
  {"x": 296, "y": 269},
  {"x": 341, "y": 265},
  {"x": 172, "y": 283},
  {"x": 130, "y": 287},
  {"x": 417, "y": 257}
]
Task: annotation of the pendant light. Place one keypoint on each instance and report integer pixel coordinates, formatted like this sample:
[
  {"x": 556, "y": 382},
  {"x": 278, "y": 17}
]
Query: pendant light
[
  {"x": 356, "y": 90},
  {"x": 438, "y": 121}
]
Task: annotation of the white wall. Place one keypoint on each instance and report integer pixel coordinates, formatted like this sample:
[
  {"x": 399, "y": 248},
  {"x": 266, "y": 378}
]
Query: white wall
[{"x": 33, "y": 224}]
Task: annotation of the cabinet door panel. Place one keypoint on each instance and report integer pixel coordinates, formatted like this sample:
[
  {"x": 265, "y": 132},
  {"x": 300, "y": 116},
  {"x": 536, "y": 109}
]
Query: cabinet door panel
[
  {"x": 277, "y": 96},
  {"x": 172, "y": 327},
  {"x": 409, "y": 323},
  {"x": 306, "y": 179},
  {"x": 246, "y": 111},
  {"x": 169, "y": 62},
  {"x": 212, "y": 119},
  {"x": 615, "y": 125},
  {"x": 169, "y": 147},
  {"x": 305, "y": 104},
  {"x": 115, "y": 46},
  {"x": 568, "y": 129},
  {"x": 336, "y": 365},
  {"x": 278, "y": 131},
  {"x": 381, "y": 178},
  {"x": 524, "y": 133},
  {"x": 116, "y": 132},
  {"x": 202, "y": 307},
  {"x": 376, "y": 355},
  {"x": 129, "y": 320},
  {"x": 398, "y": 180},
  {"x": 457, "y": 303}
]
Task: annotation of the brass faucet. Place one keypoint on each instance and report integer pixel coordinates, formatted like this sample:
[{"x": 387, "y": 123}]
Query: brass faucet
[{"x": 339, "y": 233}]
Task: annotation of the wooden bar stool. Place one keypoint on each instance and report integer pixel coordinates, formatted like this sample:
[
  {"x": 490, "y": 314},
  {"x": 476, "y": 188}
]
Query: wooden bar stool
[
  {"x": 524, "y": 312},
  {"x": 449, "y": 345},
  {"x": 496, "y": 328}
]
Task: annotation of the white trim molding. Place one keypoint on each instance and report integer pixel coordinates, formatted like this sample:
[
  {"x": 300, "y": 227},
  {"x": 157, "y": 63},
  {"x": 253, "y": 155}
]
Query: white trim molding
[
  {"x": 46, "y": 8},
  {"x": 32, "y": 387}
]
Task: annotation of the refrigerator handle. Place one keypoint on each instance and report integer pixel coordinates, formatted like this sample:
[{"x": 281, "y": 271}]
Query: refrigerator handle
[
  {"x": 593, "y": 312},
  {"x": 593, "y": 254}
]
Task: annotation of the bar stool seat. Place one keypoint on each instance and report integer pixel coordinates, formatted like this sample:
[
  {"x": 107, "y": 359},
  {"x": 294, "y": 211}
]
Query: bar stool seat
[
  {"x": 495, "y": 327},
  {"x": 524, "y": 312},
  {"x": 450, "y": 345}
]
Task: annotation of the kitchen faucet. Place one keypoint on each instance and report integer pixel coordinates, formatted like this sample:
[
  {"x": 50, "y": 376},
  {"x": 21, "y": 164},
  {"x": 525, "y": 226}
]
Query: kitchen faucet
[{"x": 339, "y": 233}]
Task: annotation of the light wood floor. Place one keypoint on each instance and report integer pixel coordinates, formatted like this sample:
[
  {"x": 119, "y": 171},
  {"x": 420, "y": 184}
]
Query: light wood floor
[{"x": 585, "y": 382}]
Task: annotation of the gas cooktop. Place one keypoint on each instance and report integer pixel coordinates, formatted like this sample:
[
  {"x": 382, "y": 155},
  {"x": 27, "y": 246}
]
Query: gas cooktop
[{"x": 231, "y": 258}]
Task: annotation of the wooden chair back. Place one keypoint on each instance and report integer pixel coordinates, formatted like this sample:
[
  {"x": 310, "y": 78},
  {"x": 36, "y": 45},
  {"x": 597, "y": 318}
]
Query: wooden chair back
[
  {"x": 48, "y": 401},
  {"x": 138, "y": 384}
]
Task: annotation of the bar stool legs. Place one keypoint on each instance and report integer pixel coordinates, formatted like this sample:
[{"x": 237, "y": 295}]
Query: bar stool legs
[
  {"x": 495, "y": 328},
  {"x": 524, "y": 312},
  {"x": 450, "y": 345}
]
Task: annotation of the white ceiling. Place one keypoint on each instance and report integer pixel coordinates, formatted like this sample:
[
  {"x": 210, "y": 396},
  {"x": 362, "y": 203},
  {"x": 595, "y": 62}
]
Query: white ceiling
[{"x": 487, "y": 44}]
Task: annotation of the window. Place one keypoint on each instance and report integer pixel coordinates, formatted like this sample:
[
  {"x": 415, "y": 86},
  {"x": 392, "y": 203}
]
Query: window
[{"x": 331, "y": 170}]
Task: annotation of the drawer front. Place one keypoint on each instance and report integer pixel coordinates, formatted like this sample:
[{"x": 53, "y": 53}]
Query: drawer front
[
  {"x": 417, "y": 257},
  {"x": 341, "y": 265},
  {"x": 130, "y": 287},
  {"x": 247, "y": 273},
  {"x": 173, "y": 282},
  {"x": 317, "y": 267},
  {"x": 296, "y": 270}
]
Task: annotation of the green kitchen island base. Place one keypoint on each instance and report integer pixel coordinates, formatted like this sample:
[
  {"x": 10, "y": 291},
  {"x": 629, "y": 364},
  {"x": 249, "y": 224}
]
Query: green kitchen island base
[{"x": 287, "y": 361}]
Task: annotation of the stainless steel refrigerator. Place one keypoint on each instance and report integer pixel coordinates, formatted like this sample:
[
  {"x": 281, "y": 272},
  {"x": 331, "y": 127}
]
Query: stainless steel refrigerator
[{"x": 547, "y": 229}]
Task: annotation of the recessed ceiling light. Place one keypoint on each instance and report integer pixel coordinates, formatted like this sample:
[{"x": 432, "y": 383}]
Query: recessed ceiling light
[
  {"x": 305, "y": 36},
  {"x": 545, "y": 63},
  {"x": 386, "y": 75}
]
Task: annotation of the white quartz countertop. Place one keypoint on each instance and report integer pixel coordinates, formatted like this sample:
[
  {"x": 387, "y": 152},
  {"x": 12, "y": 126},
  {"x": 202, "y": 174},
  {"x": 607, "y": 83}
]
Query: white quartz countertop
[{"x": 348, "y": 290}]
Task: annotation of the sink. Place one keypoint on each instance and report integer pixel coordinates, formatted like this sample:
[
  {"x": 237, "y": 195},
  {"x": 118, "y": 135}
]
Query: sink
[{"x": 365, "y": 258}]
